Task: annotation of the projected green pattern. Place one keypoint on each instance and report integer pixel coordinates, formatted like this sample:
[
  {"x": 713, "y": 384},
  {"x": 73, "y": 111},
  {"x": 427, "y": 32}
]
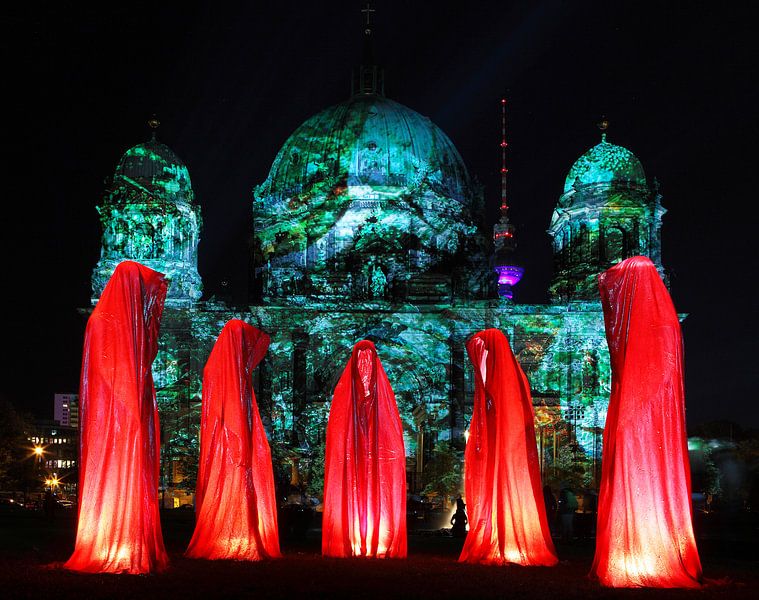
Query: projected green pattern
[
  {"x": 361, "y": 200},
  {"x": 366, "y": 228},
  {"x": 563, "y": 353},
  {"x": 606, "y": 214},
  {"x": 148, "y": 215},
  {"x": 177, "y": 380},
  {"x": 603, "y": 164}
]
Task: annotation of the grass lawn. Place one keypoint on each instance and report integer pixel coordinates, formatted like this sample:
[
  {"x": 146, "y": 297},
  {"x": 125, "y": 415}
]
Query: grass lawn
[{"x": 32, "y": 548}]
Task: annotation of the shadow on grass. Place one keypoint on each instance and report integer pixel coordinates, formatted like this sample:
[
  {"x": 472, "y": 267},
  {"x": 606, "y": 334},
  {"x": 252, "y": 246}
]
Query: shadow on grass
[{"x": 31, "y": 550}]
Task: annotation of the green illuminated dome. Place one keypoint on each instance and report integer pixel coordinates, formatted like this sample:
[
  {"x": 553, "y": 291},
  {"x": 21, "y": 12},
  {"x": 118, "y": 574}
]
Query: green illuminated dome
[
  {"x": 367, "y": 199},
  {"x": 153, "y": 167},
  {"x": 605, "y": 163},
  {"x": 607, "y": 213},
  {"x": 368, "y": 140},
  {"x": 148, "y": 215}
]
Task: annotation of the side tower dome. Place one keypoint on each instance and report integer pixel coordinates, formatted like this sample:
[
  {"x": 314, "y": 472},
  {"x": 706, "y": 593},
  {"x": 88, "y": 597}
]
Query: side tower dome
[
  {"x": 607, "y": 213},
  {"x": 148, "y": 214}
]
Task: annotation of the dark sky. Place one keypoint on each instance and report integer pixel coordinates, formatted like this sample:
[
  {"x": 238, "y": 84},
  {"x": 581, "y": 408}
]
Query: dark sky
[{"x": 231, "y": 82}]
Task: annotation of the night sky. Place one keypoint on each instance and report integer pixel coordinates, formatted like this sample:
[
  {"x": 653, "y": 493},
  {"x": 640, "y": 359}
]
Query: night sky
[{"x": 231, "y": 82}]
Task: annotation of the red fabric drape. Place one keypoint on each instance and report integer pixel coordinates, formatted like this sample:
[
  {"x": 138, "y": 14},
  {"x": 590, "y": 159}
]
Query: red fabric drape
[
  {"x": 235, "y": 497},
  {"x": 119, "y": 528},
  {"x": 645, "y": 534},
  {"x": 507, "y": 516},
  {"x": 365, "y": 468}
]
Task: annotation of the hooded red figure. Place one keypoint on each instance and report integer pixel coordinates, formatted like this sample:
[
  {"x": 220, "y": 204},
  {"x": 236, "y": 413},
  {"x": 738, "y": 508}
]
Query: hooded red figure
[
  {"x": 365, "y": 468},
  {"x": 645, "y": 532},
  {"x": 507, "y": 515},
  {"x": 235, "y": 498},
  {"x": 119, "y": 528}
]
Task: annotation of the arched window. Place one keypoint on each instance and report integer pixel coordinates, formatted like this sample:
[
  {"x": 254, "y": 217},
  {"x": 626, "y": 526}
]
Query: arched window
[
  {"x": 582, "y": 244},
  {"x": 412, "y": 246},
  {"x": 118, "y": 238},
  {"x": 615, "y": 244},
  {"x": 143, "y": 241}
]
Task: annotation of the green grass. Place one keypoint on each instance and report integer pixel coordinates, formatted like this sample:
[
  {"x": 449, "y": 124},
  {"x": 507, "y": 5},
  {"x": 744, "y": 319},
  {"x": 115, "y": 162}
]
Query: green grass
[{"x": 31, "y": 550}]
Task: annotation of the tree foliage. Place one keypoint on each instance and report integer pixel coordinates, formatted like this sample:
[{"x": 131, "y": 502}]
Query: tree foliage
[
  {"x": 16, "y": 463},
  {"x": 443, "y": 472}
]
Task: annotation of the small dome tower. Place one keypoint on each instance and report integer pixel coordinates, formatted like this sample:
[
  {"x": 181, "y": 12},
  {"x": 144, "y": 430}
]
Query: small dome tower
[
  {"x": 148, "y": 214},
  {"x": 607, "y": 213}
]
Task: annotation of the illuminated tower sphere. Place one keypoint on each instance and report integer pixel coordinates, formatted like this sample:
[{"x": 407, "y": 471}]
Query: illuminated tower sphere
[
  {"x": 367, "y": 200},
  {"x": 607, "y": 213},
  {"x": 149, "y": 215}
]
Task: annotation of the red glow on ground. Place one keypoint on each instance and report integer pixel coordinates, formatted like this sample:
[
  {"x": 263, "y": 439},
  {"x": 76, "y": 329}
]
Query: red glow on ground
[
  {"x": 365, "y": 468},
  {"x": 507, "y": 517},
  {"x": 235, "y": 497}
]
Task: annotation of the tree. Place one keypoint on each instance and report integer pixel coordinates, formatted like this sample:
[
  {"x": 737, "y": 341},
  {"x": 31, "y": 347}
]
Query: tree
[
  {"x": 443, "y": 472},
  {"x": 16, "y": 462},
  {"x": 315, "y": 476}
]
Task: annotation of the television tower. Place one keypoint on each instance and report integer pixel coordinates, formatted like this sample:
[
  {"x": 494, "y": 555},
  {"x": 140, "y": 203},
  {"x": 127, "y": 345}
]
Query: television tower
[{"x": 504, "y": 241}]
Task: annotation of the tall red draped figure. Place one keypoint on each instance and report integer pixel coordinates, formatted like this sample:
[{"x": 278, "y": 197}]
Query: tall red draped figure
[
  {"x": 235, "y": 498},
  {"x": 645, "y": 533},
  {"x": 119, "y": 528},
  {"x": 507, "y": 515},
  {"x": 365, "y": 468}
]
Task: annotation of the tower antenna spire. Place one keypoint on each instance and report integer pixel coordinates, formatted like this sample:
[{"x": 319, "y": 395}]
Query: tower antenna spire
[{"x": 504, "y": 169}]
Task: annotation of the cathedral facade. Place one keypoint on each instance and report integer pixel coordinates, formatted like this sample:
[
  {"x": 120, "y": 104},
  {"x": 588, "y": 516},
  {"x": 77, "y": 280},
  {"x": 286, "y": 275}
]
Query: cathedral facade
[{"x": 367, "y": 228}]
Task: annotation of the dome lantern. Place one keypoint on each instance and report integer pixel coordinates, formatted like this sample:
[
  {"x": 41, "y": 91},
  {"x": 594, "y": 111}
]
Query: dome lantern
[{"x": 361, "y": 200}]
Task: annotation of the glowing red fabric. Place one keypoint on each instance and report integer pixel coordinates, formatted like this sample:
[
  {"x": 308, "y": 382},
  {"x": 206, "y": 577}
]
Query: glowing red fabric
[
  {"x": 507, "y": 515},
  {"x": 119, "y": 529},
  {"x": 645, "y": 534},
  {"x": 235, "y": 497},
  {"x": 365, "y": 468}
]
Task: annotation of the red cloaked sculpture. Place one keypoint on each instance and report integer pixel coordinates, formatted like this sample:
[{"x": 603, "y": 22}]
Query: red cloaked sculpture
[
  {"x": 645, "y": 533},
  {"x": 507, "y": 515},
  {"x": 235, "y": 497},
  {"x": 365, "y": 468},
  {"x": 119, "y": 529}
]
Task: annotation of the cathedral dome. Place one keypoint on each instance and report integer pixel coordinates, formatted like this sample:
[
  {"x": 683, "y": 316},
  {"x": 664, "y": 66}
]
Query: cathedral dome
[
  {"x": 605, "y": 163},
  {"x": 366, "y": 199},
  {"x": 148, "y": 215},
  {"x": 155, "y": 168},
  {"x": 368, "y": 140}
]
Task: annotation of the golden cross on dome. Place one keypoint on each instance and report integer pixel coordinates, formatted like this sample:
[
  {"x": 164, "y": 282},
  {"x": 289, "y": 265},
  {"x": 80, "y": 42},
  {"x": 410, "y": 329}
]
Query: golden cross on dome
[
  {"x": 154, "y": 124},
  {"x": 368, "y": 10}
]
